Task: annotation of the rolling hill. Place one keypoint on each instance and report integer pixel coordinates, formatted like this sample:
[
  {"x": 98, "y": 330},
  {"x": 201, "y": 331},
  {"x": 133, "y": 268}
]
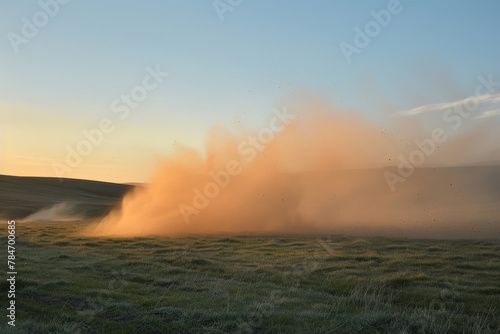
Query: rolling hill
[{"x": 23, "y": 196}]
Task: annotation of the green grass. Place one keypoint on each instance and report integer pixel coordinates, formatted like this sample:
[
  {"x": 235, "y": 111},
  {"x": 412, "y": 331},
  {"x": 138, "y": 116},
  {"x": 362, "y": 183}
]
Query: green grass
[{"x": 251, "y": 284}]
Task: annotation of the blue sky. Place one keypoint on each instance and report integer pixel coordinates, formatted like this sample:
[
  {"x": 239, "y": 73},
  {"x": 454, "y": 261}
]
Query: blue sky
[{"x": 226, "y": 71}]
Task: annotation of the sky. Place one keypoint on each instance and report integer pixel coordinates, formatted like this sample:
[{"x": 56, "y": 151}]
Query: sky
[{"x": 66, "y": 65}]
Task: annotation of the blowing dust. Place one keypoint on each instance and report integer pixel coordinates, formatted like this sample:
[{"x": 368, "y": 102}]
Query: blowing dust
[
  {"x": 59, "y": 212},
  {"x": 315, "y": 169}
]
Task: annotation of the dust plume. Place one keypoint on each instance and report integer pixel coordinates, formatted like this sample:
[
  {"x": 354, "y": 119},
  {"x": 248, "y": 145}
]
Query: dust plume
[
  {"x": 60, "y": 212},
  {"x": 317, "y": 169}
]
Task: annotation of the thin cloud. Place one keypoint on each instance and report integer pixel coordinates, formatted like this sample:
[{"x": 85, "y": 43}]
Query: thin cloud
[
  {"x": 486, "y": 98},
  {"x": 490, "y": 113}
]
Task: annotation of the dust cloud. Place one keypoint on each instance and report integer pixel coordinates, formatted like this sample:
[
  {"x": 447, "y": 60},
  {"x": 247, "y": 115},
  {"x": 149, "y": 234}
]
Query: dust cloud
[
  {"x": 316, "y": 169},
  {"x": 60, "y": 212}
]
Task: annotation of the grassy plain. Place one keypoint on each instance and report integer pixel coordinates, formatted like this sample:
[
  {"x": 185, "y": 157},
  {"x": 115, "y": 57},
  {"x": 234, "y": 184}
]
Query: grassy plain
[{"x": 251, "y": 284}]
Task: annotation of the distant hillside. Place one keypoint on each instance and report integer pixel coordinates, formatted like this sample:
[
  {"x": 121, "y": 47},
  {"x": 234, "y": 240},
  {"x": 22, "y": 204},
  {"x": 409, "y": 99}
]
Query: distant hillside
[{"x": 22, "y": 196}]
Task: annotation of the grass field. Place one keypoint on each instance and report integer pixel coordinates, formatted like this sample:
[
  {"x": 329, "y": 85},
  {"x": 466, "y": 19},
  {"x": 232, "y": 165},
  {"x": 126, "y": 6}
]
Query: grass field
[{"x": 251, "y": 284}]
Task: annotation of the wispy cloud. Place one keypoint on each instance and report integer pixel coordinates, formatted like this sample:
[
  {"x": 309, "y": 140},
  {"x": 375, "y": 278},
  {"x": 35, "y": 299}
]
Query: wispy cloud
[
  {"x": 490, "y": 113},
  {"x": 481, "y": 99}
]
